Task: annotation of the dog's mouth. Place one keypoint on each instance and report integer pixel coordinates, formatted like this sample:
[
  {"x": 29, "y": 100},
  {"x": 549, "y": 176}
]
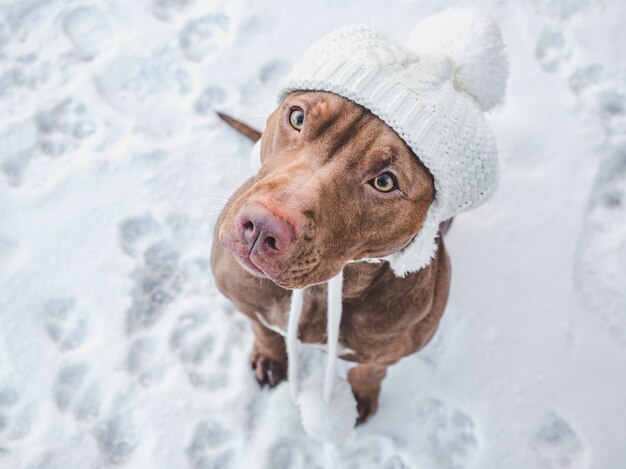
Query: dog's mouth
[
  {"x": 285, "y": 278},
  {"x": 250, "y": 266}
]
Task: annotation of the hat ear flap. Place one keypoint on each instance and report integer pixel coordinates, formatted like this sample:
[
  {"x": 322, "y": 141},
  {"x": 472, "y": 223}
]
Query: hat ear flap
[{"x": 419, "y": 253}]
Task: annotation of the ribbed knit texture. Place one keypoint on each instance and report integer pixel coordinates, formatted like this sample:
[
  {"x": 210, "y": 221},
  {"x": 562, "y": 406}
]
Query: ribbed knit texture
[{"x": 419, "y": 97}]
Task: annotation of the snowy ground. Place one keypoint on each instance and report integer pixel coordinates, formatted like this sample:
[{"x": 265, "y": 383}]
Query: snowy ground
[{"x": 116, "y": 348}]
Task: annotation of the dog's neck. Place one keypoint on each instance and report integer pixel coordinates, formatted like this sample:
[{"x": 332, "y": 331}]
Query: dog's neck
[
  {"x": 363, "y": 279},
  {"x": 360, "y": 276}
]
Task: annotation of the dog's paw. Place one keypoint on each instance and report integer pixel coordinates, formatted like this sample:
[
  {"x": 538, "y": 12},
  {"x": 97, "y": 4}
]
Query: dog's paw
[
  {"x": 268, "y": 371},
  {"x": 366, "y": 406}
]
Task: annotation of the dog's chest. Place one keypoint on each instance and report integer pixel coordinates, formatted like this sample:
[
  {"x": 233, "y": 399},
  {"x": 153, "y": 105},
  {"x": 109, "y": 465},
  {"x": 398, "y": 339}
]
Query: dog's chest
[
  {"x": 315, "y": 337},
  {"x": 361, "y": 334}
]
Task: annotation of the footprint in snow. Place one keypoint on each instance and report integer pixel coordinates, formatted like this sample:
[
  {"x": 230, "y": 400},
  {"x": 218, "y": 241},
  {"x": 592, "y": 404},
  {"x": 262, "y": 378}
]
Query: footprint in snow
[
  {"x": 292, "y": 452},
  {"x": 136, "y": 232},
  {"x": 147, "y": 87},
  {"x": 212, "y": 99},
  {"x": 65, "y": 323},
  {"x": 205, "y": 37},
  {"x": 63, "y": 127},
  {"x": 75, "y": 392},
  {"x": 52, "y": 133},
  {"x": 166, "y": 9},
  {"x": 601, "y": 259},
  {"x": 89, "y": 31},
  {"x": 164, "y": 275},
  {"x": 447, "y": 437},
  {"x": 557, "y": 445},
  {"x": 204, "y": 354},
  {"x": 601, "y": 265},
  {"x": 371, "y": 451},
  {"x": 552, "y": 50},
  {"x": 158, "y": 277},
  {"x": 118, "y": 435},
  {"x": 19, "y": 146},
  {"x": 147, "y": 361},
  {"x": 212, "y": 446},
  {"x": 17, "y": 416},
  {"x": 273, "y": 72}
]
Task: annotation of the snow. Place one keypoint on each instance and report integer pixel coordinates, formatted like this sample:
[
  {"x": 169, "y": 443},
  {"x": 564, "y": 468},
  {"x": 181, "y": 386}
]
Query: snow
[{"x": 116, "y": 348}]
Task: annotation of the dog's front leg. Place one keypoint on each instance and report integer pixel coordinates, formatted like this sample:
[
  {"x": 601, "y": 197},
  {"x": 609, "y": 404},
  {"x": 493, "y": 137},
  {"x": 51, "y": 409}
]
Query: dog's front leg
[
  {"x": 365, "y": 380},
  {"x": 269, "y": 356}
]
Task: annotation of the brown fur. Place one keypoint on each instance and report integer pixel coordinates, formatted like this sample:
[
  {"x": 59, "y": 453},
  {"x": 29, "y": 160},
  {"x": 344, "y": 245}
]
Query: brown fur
[{"x": 317, "y": 180}]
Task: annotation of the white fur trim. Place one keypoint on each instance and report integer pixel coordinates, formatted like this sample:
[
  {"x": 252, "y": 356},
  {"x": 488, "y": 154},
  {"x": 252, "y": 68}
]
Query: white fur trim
[
  {"x": 472, "y": 39},
  {"x": 419, "y": 253},
  {"x": 330, "y": 422}
]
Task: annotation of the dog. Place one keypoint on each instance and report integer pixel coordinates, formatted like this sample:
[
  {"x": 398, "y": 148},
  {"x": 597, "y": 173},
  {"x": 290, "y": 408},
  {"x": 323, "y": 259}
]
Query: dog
[
  {"x": 338, "y": 238},
  {"x": 322, "y": 200}
]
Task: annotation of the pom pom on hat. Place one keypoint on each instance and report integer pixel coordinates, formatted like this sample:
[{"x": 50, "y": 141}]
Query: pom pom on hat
[
  {"x": 330, "y": 422},
  {"x": 472, "y": 39},
  {"x": 285, "y": 414}
]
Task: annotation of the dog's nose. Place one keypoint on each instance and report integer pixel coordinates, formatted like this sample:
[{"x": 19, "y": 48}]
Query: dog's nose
[{"x": 264, "y": 232}]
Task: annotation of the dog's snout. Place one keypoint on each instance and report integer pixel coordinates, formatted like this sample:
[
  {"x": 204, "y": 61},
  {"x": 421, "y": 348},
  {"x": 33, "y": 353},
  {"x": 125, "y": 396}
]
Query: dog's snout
[{"x": 264, "y": 232}]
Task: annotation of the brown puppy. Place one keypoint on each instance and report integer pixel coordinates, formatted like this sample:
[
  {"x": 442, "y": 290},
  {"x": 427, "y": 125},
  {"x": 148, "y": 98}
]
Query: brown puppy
[{"x": 336, "y": 185}]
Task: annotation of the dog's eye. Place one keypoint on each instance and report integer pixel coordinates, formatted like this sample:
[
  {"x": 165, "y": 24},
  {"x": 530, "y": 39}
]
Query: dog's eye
[
  {"x": 384, "y": 182},
  {"x": 296, "y": 118}
]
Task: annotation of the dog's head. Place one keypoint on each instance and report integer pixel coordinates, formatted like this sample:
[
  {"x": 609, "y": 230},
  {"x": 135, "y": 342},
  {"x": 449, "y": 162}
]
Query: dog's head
[{"x": 336, "y": 184}]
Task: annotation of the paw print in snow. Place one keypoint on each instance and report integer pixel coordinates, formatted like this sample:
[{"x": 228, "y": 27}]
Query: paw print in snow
[
  {"x": 552, "y": 50},
  {"x": 19, "y": 146},
  {"x": 210, "y": 100},
  {"x": 76, "y": 393},
  {"x": 17, "y": 417},
  {"x": 147, "y": 361},
  {"x": 147, "y": 88},
  {"x": 371, "y": 451},
  {"x": 165, "y": 9},
  {"x": 88, "y": 30},
  {"x": 203, "y": 37},
  {"x": 162, "y": 270},
  {"x": 203, "y": 354},
  {"x": 159, "y": 280},
  {"x": 66, "y": 325},
  {"x": 292, "y": 452},
  {"x": 447, "y": 438},
  {"x": 211, "y": 446},
  {"x": 62, "y": 127},
  {"x": 603, "y": 247},
  {"x": 118, "y": 435},
  {"x": 557, "y": 445},
  {"x": 136, "y": 232}
]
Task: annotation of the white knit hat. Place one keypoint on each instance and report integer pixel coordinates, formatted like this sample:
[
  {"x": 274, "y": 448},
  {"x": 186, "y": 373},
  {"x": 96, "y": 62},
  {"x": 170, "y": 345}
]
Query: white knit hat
[{"x": 433, "y": 93}]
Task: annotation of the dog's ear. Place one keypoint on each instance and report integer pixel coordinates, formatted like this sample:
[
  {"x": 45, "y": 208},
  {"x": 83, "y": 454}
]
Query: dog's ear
[{"x": 240, "y": 127}]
